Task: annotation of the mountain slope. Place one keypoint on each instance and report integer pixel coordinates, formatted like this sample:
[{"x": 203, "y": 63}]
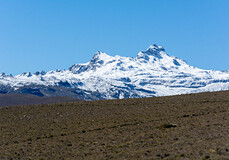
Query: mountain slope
[{"x": 151, "y": 73}]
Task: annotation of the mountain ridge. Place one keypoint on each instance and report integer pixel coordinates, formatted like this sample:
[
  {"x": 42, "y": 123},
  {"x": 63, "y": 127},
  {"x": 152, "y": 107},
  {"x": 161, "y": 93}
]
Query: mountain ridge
[{"x": 151, "y": 73}]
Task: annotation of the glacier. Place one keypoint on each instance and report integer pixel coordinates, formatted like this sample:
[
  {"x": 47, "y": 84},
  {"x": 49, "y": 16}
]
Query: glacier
[{"x": 151, "y": 73}]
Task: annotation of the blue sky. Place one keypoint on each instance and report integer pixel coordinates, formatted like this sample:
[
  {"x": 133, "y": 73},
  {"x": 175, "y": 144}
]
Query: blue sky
[{"x": 54, "y": 34}]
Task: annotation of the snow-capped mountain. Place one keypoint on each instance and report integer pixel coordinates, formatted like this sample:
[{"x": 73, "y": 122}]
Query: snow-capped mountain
[{"x": 151, "y": 73}]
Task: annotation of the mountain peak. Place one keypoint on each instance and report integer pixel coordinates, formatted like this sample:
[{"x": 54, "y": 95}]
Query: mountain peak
[
  {"x": 99, "y": 56},
  {"x": 2, "y": 74},
  {"x": 5, "y": 75},
  {"x": 26, "y": 74},
  {"x": 99, "y": 53},
  {"x": 153, "y": 50},
  {"x": 40, "y": 73},
  {"x": 156, "y": 47}
]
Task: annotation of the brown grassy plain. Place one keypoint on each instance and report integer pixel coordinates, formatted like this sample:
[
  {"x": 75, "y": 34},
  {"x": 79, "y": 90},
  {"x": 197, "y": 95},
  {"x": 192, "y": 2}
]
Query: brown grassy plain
[{"x": 192, "y": 126}]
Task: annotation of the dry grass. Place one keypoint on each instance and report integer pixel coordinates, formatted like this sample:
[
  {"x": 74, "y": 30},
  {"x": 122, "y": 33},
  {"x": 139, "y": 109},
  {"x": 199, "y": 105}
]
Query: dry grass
[{"x": 178, "y": 127}]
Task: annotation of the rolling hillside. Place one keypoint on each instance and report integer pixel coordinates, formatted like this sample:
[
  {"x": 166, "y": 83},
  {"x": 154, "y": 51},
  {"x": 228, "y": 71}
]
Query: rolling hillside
[{"x": 192, "y": 126}]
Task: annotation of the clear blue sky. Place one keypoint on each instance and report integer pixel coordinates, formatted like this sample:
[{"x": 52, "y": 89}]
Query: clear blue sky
[{"x": 54, "y": 34}]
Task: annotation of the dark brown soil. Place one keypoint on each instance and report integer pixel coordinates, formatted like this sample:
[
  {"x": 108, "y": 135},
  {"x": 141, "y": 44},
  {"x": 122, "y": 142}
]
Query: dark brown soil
[{"x": 192, "y": 126}]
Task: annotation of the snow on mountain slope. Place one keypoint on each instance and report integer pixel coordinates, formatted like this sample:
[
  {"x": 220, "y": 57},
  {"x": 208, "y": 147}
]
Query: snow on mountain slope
[{"x": 151, "y": 73}]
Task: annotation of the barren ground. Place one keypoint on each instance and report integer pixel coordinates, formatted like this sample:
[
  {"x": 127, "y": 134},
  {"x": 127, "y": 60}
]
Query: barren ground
[{"x": 192, "y": 126}]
